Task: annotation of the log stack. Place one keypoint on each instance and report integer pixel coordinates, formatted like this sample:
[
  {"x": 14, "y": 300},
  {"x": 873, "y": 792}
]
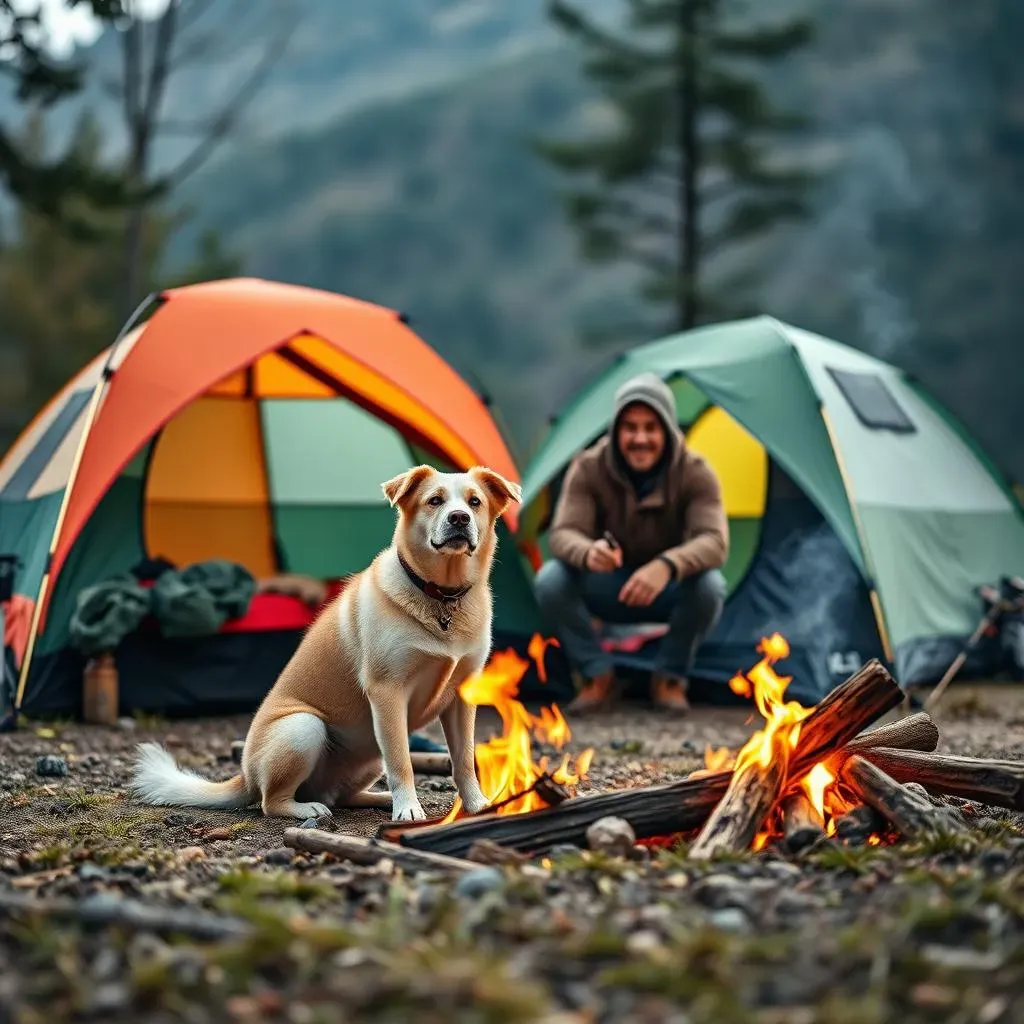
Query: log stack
[{"x": 887, "y": 772}]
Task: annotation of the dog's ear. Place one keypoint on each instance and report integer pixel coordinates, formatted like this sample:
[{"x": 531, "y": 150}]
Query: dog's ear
[
  {"x": 499, "y": 490},
  {"x": 399, "y": 489}
]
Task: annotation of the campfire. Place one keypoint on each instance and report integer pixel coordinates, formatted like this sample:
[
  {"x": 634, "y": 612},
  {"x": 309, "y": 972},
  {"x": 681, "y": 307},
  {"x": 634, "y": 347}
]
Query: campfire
[
  {"x": 511, "y": 780},
  {"x": 808, "y": 776}
]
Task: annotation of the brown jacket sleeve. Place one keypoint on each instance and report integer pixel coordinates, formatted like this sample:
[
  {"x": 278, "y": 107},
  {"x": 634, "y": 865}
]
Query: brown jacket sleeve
[
  {"x": 574, "y": 524},
  {"x": 706, "y": 543}
]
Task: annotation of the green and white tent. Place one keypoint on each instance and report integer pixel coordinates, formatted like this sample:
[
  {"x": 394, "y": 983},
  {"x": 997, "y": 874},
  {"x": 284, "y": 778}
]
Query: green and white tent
[{"x": 863, "y": 516}]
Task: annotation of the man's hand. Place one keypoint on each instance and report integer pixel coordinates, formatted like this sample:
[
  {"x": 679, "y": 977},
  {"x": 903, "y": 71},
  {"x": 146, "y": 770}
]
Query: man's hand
[
  {"x": 602, "y": 557},
  {"x": 643, "y": 587}
]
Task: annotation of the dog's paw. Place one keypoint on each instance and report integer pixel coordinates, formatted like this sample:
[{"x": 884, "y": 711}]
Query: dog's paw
[
  {"x": 407, "y": 812},
  {"x": 475, "y": 802},
  {"x": 312, "y": 810}
]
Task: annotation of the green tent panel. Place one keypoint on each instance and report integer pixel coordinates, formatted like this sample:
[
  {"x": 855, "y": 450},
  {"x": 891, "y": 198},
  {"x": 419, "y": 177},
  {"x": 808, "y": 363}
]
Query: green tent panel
[{"x": 882, "y": 513}]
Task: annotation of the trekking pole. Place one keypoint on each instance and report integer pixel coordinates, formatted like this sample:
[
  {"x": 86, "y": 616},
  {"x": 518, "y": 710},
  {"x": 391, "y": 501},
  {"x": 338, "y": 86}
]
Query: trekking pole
[{"x": 999, "y": 605}]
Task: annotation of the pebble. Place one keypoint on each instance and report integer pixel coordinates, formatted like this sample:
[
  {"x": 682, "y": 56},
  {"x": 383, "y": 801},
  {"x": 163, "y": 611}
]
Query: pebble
[
  {"x": 477, "y": 883},
  {"x": 643, "y": 942},
  {"x": 614, "y": 836},
  {"x": 191, "y": 853},
  {"x": 91, "y": 873},
  {"x": 282, "y": 855},
  {"x": 217, "y": 834},
  {"x": 563, "y": 850},
  {"x": 310, "y": 823},
  {"x": 51, "y": 766},
  {"x": 126, "y": 724},
  {"x": 721, "y": 891},
  {"x": 730, "y": 919}
]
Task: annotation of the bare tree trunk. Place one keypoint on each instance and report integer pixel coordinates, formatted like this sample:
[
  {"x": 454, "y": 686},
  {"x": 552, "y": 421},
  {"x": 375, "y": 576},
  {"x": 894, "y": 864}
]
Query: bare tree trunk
[{"x": 690, "y": 163}]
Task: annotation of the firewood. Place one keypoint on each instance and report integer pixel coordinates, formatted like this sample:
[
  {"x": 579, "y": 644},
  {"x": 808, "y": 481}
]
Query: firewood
[
  {"x": 802, "y": 825},
  {"x": 662, "y": 810},
  {"x": 996, "y": 783},
  {"x": 912, "y": 815},
  {"x": 429, "y": 763},
  {"x": 651, "y": 811},
  {"x": 752, "y": 792},
  {"x": 854, "y": 704},
  {"x": 915, "y": 732},
  {"x": 371, "y": 851},
  {"x": 859, "y": 824}
]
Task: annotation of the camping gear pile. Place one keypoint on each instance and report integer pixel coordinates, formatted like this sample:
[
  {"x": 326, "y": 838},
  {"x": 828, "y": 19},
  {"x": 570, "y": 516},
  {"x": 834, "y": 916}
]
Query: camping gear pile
[
  {"x": 250, "y": 423},
  {"x": 194, "y": 601}
]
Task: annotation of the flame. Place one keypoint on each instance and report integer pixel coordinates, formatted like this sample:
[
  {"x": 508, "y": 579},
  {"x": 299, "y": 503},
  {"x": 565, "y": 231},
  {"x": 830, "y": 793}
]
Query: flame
[
  {"x": 779, "y": 736},
  {"x": 505, "y": 764}
]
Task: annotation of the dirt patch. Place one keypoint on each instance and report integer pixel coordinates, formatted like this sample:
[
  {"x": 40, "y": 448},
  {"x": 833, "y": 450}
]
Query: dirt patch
[{"x": 248, "y": 931}]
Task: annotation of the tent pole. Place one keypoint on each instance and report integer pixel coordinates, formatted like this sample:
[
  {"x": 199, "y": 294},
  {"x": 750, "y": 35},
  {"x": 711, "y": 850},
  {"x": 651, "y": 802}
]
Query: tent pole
[
  {"x": 876, "y": 602},
  {"x": 98, "y": 391}
]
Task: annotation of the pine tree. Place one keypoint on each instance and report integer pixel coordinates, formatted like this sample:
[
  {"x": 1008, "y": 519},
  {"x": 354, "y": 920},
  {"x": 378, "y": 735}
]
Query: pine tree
[
  {"x": 61, "y": 290},
  {"x": 696, "y": 161},
  {"x": 51, "y": 185}
]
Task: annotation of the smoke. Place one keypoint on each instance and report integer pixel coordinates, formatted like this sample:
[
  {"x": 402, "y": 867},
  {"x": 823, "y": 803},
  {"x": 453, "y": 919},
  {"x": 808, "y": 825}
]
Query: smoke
[
  {"x": 819, "y": 587},
  {"x": 878, "y": 183}
]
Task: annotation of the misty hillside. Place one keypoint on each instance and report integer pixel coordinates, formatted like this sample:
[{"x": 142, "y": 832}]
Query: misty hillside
[{"x": 388, "y": 158}]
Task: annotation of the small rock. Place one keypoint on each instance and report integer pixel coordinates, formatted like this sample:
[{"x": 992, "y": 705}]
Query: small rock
[
  {"x": 126, "y": 724},
  {"x": 643, "y": 942},
  {"x": 107, "y": 965},
  {"x": 190, "y": 853},
  {"x": 107, "y": 998},
  {"x": 310, "y": 823},
  {"x": 89, "y": 872},
  {"x": 613, "y": 836},
  {"x": 477, "y": 883},
  {"x": 730, "y": 919},
  {"x": 563, "y": 850},
  {"x": 236, "y": 751},
  {"x": 51, "y": 766},
  {"x": 282, "y": 855},
  {"x": 217, "y": 834},
  {"x": 721, "y": 891},
  {"x": 16, "y": 777},
  {"x": 172, "y": 740}
]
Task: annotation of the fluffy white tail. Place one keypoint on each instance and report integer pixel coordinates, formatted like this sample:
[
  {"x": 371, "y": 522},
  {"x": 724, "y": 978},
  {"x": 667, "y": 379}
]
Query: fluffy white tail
[{"x": 157, "y": 779}]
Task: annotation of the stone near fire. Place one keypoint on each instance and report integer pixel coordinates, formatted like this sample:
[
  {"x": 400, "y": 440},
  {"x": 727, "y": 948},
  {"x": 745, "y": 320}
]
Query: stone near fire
[{"x": 614, "y": 836}]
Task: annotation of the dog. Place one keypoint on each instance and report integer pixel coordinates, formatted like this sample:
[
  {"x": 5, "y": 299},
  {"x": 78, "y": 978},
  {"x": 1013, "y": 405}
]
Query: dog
[{"x": 385, "y": 658}]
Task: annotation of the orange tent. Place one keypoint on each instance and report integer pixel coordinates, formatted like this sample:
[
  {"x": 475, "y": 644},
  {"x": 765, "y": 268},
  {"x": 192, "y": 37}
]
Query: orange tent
[{"x": 175, "y": 376}]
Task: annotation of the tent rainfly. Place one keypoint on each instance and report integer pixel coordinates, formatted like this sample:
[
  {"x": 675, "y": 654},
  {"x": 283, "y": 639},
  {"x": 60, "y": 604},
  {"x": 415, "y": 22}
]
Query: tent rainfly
[
  {"x": 862, "y": 515},
  {"x": 245, "y": 420}
]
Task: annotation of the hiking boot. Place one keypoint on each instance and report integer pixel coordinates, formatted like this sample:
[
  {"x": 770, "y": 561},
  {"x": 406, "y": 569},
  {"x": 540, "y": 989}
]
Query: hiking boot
[
  {"x": 595, "y": 695},
  {"x": 669, "y": 694}
]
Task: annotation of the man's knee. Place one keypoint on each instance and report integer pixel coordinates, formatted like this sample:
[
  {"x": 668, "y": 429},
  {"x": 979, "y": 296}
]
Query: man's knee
[
  {"x": 554, "y": 583},
  {"x": 707, "y": 597}
]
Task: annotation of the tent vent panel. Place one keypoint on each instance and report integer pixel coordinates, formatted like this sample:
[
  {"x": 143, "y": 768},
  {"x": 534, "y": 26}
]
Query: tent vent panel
[{"x": 872, "y": 402}]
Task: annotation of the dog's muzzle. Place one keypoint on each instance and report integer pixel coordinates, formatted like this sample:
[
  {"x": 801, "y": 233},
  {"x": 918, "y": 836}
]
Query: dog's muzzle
[{"x": 455, "y": 536}]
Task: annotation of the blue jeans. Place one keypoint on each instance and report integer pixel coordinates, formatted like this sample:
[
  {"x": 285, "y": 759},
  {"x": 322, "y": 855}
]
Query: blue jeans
[{"x": 569, "y": 598}]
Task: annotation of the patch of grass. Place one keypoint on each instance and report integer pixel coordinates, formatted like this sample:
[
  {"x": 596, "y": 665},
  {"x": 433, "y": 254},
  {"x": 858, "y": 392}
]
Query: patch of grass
[
  {"x": 858, "y": 859},
  {"x": 591, "y": 862},
  {"x": 80, "y": 799},
  {"x": 242, "y": 886}
]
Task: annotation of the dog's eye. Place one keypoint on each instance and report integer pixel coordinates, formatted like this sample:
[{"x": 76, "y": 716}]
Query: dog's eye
[
  {"x": 435, "y": 500},
  {"x": 474, "y": 502}
]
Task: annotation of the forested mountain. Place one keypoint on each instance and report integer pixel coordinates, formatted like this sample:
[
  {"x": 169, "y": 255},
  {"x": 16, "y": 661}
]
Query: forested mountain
[{"x": 389, "y": 158}]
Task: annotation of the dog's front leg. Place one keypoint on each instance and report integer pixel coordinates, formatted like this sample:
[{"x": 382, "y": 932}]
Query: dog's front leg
[
  {"x": 391, "y": 729},
  {"x": 458, "y": 721}
]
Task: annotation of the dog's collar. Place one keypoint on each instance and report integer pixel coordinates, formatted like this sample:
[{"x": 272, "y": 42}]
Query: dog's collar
[{"x": 434, "y": 591}]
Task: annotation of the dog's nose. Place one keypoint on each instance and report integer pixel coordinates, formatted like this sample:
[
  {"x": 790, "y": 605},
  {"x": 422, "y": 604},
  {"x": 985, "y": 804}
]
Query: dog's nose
[{"x": 458, "y": 518}]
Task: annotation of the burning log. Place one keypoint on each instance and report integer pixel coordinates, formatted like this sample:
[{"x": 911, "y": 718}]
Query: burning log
[
  {"x": 997, "y": 783},
  {"x": 802, "y": 825},
  {"x": 651, "y": 811},
  {"x": 912, "y": 815},
  {"x": 753, "y": 791},
  {"x": 854, "y": 704},
  {"x": 915, "y": 732}
]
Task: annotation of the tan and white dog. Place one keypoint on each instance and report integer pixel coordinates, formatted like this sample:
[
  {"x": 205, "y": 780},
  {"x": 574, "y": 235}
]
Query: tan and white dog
[{"x": 384, "y": 659}]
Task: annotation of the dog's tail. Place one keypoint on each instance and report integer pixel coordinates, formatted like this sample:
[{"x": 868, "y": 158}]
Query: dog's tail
[{"x": 158, "y": 780}]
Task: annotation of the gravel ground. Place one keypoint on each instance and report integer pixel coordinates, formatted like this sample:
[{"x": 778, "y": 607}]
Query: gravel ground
[{"x": 843, "y": 935}]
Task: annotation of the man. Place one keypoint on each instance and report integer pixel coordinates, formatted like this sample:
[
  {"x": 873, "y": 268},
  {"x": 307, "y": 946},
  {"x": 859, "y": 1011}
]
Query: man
[{"x": 638, "y": 535}]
